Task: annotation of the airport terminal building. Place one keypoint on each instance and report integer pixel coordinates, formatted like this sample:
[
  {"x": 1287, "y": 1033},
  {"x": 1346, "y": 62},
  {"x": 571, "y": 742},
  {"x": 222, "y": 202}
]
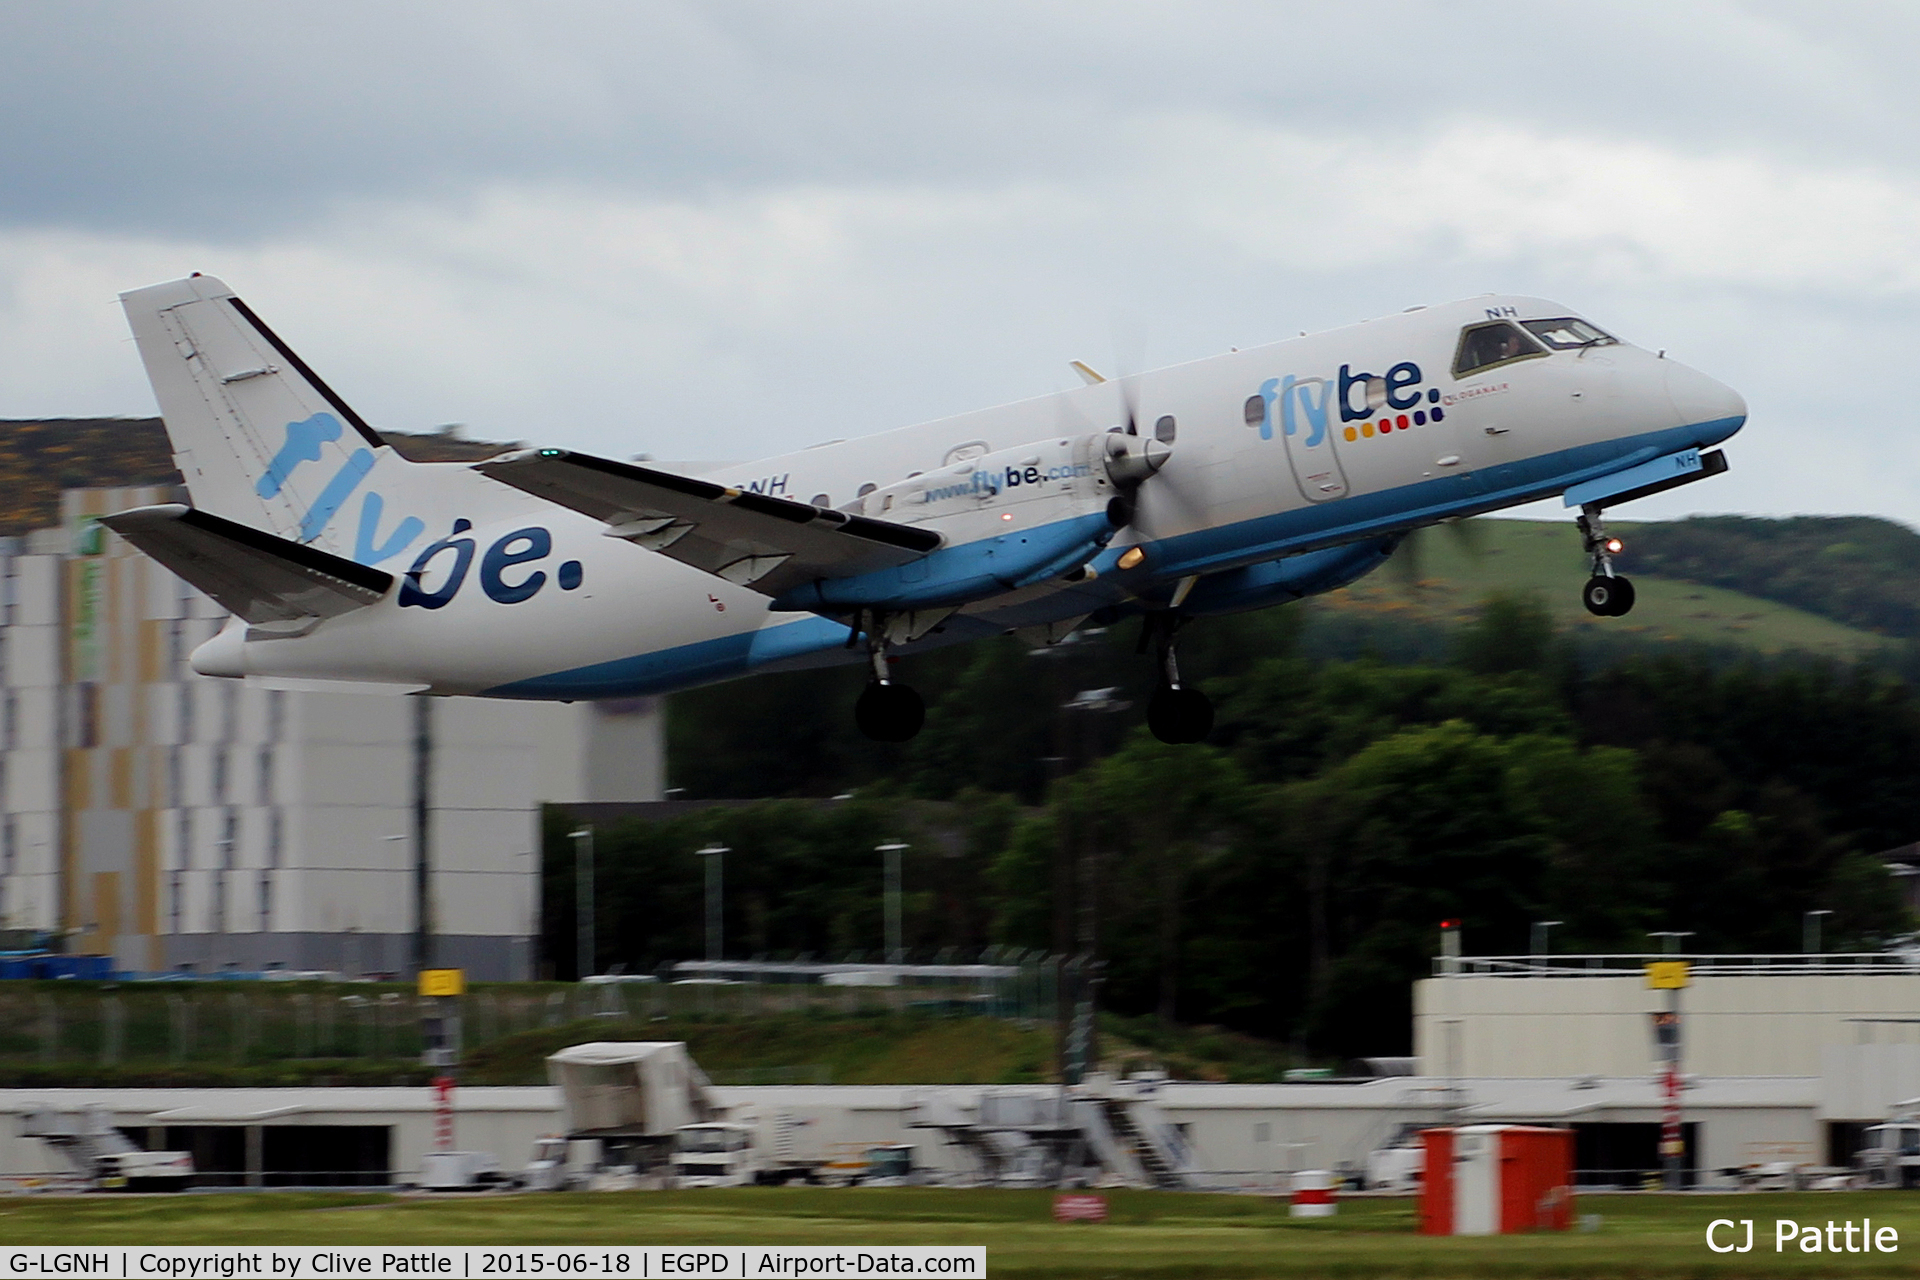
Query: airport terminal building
[{"x": 1786, "y": 1059}]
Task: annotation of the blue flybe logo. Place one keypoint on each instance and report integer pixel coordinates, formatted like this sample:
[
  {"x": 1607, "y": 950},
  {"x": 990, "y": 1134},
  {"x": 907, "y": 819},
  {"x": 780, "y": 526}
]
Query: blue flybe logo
[
  {"x": 508, "y": 572},
  {"x": 303, "y": 445},
  {"x": 1368, "y": 404}
]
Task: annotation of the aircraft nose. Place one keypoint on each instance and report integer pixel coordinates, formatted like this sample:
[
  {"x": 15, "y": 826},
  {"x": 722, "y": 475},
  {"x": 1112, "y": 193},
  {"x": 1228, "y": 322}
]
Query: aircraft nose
[{"x": 1704, "y": 402}]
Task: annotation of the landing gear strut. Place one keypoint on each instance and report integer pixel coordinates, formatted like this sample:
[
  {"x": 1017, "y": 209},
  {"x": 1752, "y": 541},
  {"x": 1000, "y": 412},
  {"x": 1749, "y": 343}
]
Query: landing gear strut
[
  {"x": 886, "y": 712},
  {"x": 1607, "y": 594},
  {"x": 1176, "y": 714}
]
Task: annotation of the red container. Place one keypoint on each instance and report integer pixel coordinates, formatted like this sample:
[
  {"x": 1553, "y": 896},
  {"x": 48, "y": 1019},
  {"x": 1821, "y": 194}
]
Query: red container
[{"x": 1495, "y": 1179}]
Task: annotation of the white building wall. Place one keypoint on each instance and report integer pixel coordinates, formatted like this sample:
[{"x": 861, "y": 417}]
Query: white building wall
[
  {"x": 1248, "y": 1134},
  {"x": 30, "y": 681},
  {"x": 1572, "y": 1026}
]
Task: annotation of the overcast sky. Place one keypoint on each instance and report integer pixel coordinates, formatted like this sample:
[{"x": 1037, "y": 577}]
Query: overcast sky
[{"x": 722, "y": 230}]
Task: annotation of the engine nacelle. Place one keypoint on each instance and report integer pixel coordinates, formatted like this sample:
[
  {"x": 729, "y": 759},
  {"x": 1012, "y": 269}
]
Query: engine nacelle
[
  {"x": 1027, "y": 485},
  {"x": 1010, "y": 519}
]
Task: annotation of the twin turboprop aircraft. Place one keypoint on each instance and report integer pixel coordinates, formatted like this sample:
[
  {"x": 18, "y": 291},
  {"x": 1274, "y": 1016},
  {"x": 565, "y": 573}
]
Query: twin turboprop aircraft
[{"x": 1230, "y": 483}]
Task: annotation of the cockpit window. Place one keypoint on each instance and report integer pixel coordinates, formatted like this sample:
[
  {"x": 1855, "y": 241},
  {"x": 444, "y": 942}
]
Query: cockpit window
[
  {"x": 1484, "y": 345},
  {"x": 1568, "y": 332}
]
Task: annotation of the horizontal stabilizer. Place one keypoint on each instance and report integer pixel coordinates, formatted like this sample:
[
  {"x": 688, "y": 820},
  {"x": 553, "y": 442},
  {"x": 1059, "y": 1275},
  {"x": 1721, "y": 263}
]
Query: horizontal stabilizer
[
  {"x": 768, "y": 544},
  {"x": 261, "y": 578}
]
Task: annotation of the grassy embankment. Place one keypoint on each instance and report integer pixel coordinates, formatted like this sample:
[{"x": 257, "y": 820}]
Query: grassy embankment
[
  {"x": 163, "y": 1035},
  {"x": 875, "y": 1049},
  {"x": 1151, "y": 1235},
  {"x": 1452, "y": 575}
]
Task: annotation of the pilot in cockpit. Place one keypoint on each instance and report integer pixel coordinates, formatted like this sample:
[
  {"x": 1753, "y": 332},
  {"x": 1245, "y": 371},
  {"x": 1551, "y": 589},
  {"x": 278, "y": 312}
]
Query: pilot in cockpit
[{"x": 1483, "y": 346}]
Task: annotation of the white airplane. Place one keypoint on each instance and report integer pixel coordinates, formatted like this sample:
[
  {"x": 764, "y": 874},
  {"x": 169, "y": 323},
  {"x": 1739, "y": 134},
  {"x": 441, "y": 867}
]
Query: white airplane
[{"x": 1230, "y": 483}]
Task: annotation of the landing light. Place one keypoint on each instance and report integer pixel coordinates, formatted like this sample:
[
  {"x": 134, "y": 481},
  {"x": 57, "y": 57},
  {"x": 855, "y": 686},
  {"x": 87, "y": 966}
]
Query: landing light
[{"x": 1615, "y": 546}]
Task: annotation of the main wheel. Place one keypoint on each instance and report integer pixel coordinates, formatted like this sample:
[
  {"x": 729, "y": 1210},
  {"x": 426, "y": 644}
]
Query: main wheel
[
  {"x": 1179, "y": 715},
  {"x": 1607, "y": 597},
  {"x": 889, "y": 712}
]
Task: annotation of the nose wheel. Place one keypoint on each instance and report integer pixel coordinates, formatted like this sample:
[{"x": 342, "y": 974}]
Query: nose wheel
[
  {"x": 1607, "y": 597},
  {"x": 885, "y": 711},
  {"x": 1176, "y": 714},
  {"x": 1607, "y": 594}
]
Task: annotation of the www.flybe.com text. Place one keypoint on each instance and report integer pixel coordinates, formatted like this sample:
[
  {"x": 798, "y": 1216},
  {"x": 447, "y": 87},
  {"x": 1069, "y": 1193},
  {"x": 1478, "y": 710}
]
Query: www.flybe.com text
[{"x": 999, "y": 479}]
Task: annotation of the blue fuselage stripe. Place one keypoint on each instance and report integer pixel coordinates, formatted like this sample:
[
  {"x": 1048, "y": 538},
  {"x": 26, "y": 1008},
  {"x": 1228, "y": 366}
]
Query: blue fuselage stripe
[{"x": 1204, "y": 551}]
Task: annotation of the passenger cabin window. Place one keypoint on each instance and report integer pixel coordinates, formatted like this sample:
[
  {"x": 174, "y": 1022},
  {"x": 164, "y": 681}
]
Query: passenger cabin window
[
  {"x": 1483, "y": 346},
  {"x": 1569, "y": 332}
]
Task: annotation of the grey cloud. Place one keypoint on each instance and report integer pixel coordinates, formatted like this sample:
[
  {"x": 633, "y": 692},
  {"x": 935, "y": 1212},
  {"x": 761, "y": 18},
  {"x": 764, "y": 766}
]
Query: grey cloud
[
  {"x": 754, "y": 225},
  {"x": 232, "y": 116}
]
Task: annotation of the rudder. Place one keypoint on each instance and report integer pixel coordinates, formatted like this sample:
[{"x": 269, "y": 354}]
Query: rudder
[{"x": 259, "y": 437}]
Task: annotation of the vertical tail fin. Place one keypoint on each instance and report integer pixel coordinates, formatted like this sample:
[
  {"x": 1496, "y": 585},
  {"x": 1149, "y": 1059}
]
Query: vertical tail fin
[
  {"x": 259, "y": 437},
  {"x": 264, "y": 442}
]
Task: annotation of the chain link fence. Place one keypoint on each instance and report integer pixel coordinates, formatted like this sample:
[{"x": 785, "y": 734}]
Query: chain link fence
[{"x": 237, "y": 1023}]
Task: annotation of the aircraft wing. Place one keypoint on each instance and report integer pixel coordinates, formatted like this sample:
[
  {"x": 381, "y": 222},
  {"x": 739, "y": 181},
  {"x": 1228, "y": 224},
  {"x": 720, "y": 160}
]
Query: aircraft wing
[
  {"x": 259, "y": 577},
  {"x": 750, "y": 539}
]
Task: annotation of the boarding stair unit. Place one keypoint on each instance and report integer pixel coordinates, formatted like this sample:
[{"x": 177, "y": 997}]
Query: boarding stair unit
[
  {"x": 1103, "y": 1131},
  {"x": 105, "y": 1158},
  {"x": 1156, "y": 1147}
]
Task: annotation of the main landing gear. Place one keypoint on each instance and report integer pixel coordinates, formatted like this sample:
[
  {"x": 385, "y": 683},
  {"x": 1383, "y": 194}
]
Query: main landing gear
[
  {"x": 1176, "y": 714},
  {"x": 1607, "y": 594},
  {"x": 886, "y": 712}
]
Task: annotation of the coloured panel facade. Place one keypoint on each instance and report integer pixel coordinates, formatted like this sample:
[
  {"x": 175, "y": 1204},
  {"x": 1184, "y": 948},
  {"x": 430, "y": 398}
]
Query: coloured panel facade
[{"x": 178, "y": 822}]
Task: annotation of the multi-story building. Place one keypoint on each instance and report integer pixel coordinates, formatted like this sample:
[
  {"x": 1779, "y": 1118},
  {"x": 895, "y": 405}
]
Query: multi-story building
[{"x": 177, "y": 822}]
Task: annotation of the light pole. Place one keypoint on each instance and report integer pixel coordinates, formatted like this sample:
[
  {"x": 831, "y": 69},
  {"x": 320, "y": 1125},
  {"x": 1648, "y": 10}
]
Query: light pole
[
  {"x": 583, "y": 908},
  {"x": 712, "y": 855},
  {"x": 1081, "y": 1053},
  {"x": 1542, "y": 940},
  {"x": 1810, "y": 930},
  {"x": 1672, "y": 978},
  {"x": 892, "y": 852},
  {"x": 422, "y": 951}
]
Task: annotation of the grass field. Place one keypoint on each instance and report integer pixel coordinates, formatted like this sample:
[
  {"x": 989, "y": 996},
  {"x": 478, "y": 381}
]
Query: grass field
[
  {"x": 1450, "y": 575},
  {"x": 1151, "y": 1235}
]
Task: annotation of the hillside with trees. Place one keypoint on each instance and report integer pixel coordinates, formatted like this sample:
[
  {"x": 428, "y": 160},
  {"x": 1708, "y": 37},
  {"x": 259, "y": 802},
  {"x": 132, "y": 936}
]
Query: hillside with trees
[
  {"x": 1287, "y": 878},
  {"x": 1857, "y": 570}
]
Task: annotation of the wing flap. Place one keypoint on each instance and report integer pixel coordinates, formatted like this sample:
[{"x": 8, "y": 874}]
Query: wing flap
[
  {"x": 751, "y": 539},
  {"x": 261, "y": 578}
]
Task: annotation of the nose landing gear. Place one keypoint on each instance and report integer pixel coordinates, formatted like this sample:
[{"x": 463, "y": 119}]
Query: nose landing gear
[
  {"x": 1176, "y": 714},
  {"x": 1607, "y": 594},
  {"x": 885, "y": 712}
]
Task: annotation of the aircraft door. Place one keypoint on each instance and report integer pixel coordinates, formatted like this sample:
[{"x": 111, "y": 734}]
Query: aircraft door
[{"x": 1301, "y": 411}]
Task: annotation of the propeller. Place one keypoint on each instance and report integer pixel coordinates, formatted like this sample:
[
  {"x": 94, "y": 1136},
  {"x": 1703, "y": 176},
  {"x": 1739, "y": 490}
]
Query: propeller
[
  {"x": 1133, "y": 451},
  {"x": 1411, "y": 557}
]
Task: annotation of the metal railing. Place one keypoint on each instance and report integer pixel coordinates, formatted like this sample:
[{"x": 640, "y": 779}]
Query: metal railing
[{"x": 1630, "y": 964}]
